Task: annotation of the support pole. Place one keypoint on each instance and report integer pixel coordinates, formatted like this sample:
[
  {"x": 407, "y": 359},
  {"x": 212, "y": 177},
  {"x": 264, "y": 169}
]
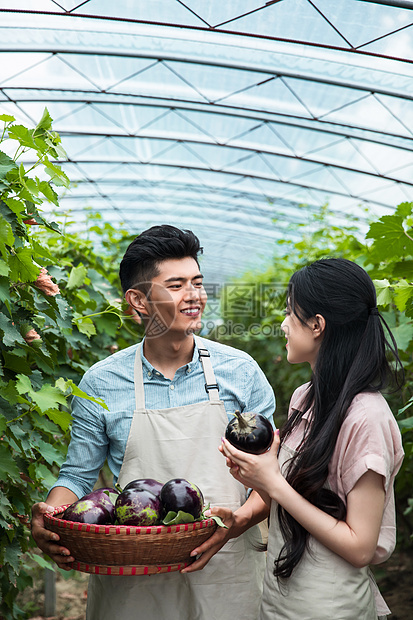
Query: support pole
[{"x": 49, "y": 592}]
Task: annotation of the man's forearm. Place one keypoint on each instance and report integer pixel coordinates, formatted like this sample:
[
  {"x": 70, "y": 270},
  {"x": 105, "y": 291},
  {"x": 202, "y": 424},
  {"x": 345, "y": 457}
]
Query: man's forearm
[{"x": 59, "y": 496}]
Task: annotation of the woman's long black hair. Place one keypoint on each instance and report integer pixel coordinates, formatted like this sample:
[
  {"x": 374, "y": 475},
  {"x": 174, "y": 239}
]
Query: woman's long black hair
[{"x": 352, "y": 358}]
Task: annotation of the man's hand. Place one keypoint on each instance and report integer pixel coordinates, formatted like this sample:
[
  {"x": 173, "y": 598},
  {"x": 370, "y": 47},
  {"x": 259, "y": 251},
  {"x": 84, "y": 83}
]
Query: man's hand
[
  {"x": 216, "y": 541},
  {"x": 46, "y": 540},
  {"x": 252, "y": 512}
]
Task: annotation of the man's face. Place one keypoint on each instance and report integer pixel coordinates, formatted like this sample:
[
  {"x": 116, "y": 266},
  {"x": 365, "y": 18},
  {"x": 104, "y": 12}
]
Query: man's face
[{"x": 177, "y": 298}]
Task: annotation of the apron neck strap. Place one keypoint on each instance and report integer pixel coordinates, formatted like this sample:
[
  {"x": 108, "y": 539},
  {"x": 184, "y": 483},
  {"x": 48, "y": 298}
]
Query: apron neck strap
[
  {"x": 211, "y": 385},
  {"x": 138, "y": 379}
]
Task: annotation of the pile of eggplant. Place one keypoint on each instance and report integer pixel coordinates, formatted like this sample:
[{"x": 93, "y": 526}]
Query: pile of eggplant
[{"x": 142, "y": 502}]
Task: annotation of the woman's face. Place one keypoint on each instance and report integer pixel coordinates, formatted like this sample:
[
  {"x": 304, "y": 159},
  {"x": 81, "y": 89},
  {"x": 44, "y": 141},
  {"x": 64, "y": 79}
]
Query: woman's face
[{"x": 303, "y": 339}]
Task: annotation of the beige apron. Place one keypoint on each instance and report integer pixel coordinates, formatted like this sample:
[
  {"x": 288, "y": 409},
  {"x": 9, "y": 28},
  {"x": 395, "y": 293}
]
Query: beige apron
[
  {"x": 182, "y": 442},
  {"x": 322, "y": 587}
]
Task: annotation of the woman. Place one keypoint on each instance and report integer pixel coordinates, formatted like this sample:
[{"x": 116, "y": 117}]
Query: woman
[{"x": 331, "y": 488}]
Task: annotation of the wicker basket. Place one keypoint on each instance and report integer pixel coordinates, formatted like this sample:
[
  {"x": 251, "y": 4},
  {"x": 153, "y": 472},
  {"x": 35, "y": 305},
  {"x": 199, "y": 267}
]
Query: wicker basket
[{"x": 129, "y": 550}]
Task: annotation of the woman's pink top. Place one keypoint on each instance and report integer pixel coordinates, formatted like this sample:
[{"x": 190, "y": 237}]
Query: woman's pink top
[{"x": 369, "y": 439}]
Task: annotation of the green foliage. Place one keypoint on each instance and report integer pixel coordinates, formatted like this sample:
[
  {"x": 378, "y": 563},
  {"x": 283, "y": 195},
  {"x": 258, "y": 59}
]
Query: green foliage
[
  {"x": 387, "y": 254},
  {"x": 60, "y": 312}
]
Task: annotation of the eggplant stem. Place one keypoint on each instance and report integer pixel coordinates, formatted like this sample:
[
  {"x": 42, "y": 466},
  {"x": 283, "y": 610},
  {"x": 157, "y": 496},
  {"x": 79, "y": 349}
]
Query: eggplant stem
[{"x": 241, "y": 420}]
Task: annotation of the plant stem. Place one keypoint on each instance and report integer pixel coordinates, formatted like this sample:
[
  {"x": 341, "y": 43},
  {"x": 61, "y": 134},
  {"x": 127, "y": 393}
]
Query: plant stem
[{"x": 241, "y": 421}]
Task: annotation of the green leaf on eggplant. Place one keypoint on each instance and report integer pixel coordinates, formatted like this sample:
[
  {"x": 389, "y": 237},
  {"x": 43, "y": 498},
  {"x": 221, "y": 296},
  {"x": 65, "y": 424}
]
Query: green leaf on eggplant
[{"x": 176, "y": 518}]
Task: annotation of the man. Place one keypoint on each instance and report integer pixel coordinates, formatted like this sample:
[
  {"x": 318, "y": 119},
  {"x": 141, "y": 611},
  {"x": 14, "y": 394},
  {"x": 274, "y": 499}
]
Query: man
[{"x": 169, "y": 398}]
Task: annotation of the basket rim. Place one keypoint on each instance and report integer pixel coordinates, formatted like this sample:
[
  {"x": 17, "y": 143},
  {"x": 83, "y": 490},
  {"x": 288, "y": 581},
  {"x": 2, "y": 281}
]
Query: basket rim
[
  {"x": 51, "y": 519},
  {"x": 138, "y": 569}
]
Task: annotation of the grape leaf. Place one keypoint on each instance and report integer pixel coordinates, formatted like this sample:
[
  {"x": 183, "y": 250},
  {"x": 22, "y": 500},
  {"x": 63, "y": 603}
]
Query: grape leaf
[
  {"x": 405, "y": 425},
  {"x": 391, "y": 239},
  {"x": 48, "y": 397},
  {"x": 8, "y": 466},
  {"x": 48, "y": 452},
  {"x": 13, "y": 360},
  {"x": 383, "y": 292},
  {"x": 49, "y": 192},
  {"x": 403, "y": 334},
  {"x": 403, "y": 290},
  {"x": 10, "y": 334},
  {"x": 76, "y": 391},
  {"x": 22, "y": 268},
  {"x": 12, "y": 556},
  {"x": 41, "y": 561},
  {"x": 6, "y": 164},
  {"x": 45, "y": 122},
  {"x": 77, "y": 276},
  {"x": 6, "y": 237},
  {"x": 6, "y": 511},
  {"x": 405, "y": 209},
  {"x": 23, "y": 135},
  {"x": 4, "y": 268},
  {"x": 86, "y": 326}
]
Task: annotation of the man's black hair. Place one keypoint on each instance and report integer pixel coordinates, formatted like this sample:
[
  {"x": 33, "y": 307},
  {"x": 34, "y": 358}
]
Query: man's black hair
[{"x": 141, "y": 260}]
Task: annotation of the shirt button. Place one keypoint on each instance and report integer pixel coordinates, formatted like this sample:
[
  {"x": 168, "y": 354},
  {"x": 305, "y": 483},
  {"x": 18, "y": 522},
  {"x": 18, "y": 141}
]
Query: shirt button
[
  {"x": 189, "y": 369},
  {"x": 158, "y": 373},
  {"x": 149, "y": 374},
  {"x": 171, "y": 387}
]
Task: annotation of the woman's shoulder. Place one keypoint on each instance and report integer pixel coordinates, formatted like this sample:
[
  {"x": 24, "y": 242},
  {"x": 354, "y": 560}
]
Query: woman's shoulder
[
  {"x": 370, "y": 406},
  {"x": 298, "y": 396},
  {"x": 370, "y": 418}
]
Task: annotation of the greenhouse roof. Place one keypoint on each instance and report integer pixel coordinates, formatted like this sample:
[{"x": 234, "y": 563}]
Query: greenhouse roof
[{"x": 219, "y": 116}]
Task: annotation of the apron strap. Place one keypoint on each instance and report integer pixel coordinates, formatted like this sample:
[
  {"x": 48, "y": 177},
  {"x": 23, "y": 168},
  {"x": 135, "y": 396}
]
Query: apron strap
[
  {"x": 211, "y": 385},
  {"x": 138, "y": 378}
]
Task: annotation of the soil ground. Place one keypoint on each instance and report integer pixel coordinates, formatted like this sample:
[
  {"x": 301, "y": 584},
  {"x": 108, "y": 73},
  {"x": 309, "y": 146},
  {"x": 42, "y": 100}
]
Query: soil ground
[{"x": 395, "y": 579}]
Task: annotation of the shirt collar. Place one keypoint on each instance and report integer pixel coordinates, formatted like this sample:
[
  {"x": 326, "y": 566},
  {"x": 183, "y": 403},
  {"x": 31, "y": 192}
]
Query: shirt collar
[
  {"x": 150, "y": 370},
  {"x": 308, "y": 413}
]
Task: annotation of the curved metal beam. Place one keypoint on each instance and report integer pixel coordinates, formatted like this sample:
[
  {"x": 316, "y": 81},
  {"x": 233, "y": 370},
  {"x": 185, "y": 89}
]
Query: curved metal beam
[
  {"x": 349, "y": 49},
  {"x": 236, "y": 147},
  {"x": 400, "y": 4},
  {"x": 235, "y": 174},
  {"x": 222, "y": 110},
  {"x": 219, "y": 64}
]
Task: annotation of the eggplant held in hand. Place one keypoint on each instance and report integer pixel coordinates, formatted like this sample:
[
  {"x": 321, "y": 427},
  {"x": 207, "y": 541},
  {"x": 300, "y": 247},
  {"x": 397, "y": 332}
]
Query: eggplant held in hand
[{"x": 250, "y": 432}]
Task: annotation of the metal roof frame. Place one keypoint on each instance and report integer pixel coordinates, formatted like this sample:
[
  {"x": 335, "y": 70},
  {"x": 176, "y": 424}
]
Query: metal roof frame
[{"x": 350, "y": 164}]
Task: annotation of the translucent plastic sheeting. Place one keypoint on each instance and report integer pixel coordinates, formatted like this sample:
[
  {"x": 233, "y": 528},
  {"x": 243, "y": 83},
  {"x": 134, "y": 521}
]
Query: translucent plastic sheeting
[{"x": 235, "y": 119}]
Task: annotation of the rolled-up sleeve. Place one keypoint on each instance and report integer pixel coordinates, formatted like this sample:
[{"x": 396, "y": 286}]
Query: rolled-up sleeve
[
  {"x": 259, "y": 396},
  {"x": 369, "y": 439}
]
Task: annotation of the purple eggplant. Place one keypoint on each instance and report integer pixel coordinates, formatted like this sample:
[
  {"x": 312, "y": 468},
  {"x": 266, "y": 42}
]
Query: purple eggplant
[
  {"x": 250, "y": 432},
  {"x": 88, "y": 511},
  {"x": 95, "y": 507},
  {"x": 137, "y": 506},
  {"x": 147, "y": 484},
  {"x": 106, "y": 496},
  {"x": 179, "y": 494}
]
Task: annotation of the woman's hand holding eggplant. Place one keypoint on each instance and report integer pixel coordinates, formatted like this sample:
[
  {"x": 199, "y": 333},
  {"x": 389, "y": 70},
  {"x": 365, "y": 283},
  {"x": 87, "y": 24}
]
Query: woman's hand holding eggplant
[{"x": 256, "y": 471}]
